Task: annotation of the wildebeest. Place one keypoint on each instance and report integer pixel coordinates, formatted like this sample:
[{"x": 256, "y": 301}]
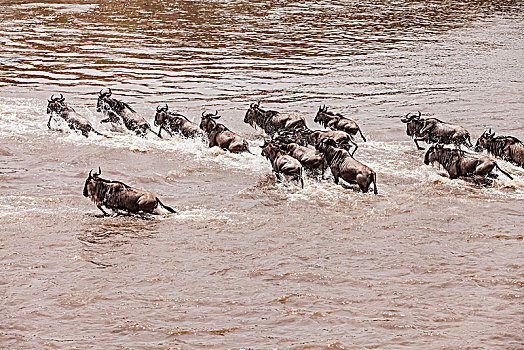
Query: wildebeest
[
  {"x": 459, "y": 163},
  {"x": 116, "y": 196},
  {"x": 282, "y": 163},
  {"x": 118, "y": 112},
  {"x": 433, "y": 130},
  {"x": 57, "y": 106},
  {"x": 219, "y": 135},
  {"x": 334, "y": 121},
  {"x": 315, "y": 137},
  {"x": 273, "y": 121},
  {"x": 173, "y": 123},
  {"x": 344, "y": 166},
  {"x": 310, "y": 158},
  {"x": 506, "y": 147}
]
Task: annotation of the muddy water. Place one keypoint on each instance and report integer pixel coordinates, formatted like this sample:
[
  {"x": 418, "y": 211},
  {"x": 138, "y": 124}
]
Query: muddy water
[{"x": 247, "y": 262}]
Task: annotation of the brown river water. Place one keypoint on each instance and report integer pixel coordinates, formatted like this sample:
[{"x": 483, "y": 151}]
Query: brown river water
[{"x": 429, "y": 263}]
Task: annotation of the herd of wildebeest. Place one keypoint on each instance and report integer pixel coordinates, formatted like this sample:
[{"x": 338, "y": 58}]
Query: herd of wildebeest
[{"x": 293, "y": 149}]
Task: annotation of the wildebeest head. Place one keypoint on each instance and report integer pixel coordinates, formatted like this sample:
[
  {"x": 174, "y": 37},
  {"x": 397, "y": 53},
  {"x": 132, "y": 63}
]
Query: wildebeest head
[
  {"x": 322, "y": 111},
  {"x": 161, "y": 115},
  {"x": 413, "y": 123},
  {"x": 435, "y": 153},
  {"x": 484, "y": 140},
  {"x": 90, "y": 182},
  {"x": 103, "y": 102},
  {"x": 55, "y": 104},
  {"x": 324, "y": 144},
  {"x": 208, "y": 123},
  {"x": 270, "y": 149},
  {"x": 251, "y": 113}
]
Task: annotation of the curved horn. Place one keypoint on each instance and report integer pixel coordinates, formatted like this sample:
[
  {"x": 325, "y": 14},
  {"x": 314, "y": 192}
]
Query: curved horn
[
  {"x": 203, "y": 114},
  {"x": 90, "y": 174},
  {"x": 158, "y": 108},
  {"x": 62, "y": 98},
  {"x": 216, "y": 112},
  {"x": 109, "y": 91},
  {"x": 52, "y": 97},
  {"x": 419, "y": 114},
  {"x": 100, "y": 93},
  {"x": 167, "y": 107}
]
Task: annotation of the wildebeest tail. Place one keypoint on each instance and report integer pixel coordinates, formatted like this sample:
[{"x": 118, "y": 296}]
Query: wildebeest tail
[
  {"x": 169, "y": 209},
  {"x": 503, "y": 172},
  {"x": 100, "y": 134}
]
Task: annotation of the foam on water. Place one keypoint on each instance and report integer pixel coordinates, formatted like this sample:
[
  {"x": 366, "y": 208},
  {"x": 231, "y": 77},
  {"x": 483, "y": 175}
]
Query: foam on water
[{"x": 388, "y": 159}]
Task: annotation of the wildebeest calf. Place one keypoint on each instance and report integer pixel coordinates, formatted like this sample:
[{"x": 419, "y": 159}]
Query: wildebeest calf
[{"x": 116, "y": 196}]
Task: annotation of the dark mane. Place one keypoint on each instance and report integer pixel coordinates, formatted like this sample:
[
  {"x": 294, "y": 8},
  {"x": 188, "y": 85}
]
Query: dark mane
[
  {"x": 118, "y": 106},
  {"x": 262, "y": 117},
  {"x": 447, "y": 157},
  {"x": 102, "y": 192},
  {"x": 333, "y": 154}
]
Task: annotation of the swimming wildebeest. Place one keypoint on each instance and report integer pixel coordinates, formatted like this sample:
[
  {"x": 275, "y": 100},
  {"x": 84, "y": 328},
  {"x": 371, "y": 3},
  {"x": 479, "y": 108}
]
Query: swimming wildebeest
[
  {"x": 116, "y": 195},
  {"x": 282, "y": 163},
  {"x": 173, "y": 123},
  {"x": 432, "y": 130},
  {"x": 334, "y": 121},
  {"x": 273, "y": 121},
  {"x": 219, "y": 135},
  {"x": 459, "y": 163},
  {"x": 57, "y": 106},
  {"x": 344, "y": 166},
  {"x": 118, "y": 112},
  {"x": 506, "y": 147}
]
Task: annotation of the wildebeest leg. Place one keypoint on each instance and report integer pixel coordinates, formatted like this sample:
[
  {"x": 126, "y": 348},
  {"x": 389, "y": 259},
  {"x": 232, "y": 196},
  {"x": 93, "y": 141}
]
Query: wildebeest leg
[
  {"x": 336, "y": 174},
  {"x": 152, "y": 132},
  {"x": 362, "y": 135},
  {"x": 49, "y": 122},
  {"x": 212, "y": 139},
  {"x": 277, "y": 175},
  {"x": 163, "y": 128},
  {"x": 416, "y": 143},
  {"x": 453, "y": 172},
  {"x": 503, "y": 172},
  {"x": 103, "y": 211},
  {"x": 355, "y": 145},
  {"x": 363, "y": 182}
]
